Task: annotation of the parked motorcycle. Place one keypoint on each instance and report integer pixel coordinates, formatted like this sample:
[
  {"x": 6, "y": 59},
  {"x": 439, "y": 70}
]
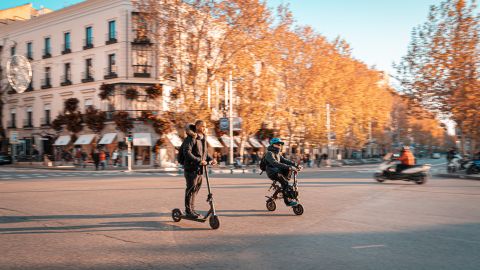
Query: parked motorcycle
[
  {"x": 457, "y": 163},
  {"x": 416, "y": 173},
  {"x": 473, "y": 166}
]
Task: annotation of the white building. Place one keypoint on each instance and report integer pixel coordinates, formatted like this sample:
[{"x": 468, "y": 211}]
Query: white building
[{"x": 72, "y": 52}]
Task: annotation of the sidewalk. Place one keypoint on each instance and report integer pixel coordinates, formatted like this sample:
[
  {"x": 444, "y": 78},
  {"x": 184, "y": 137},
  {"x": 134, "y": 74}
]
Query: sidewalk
[{"x": 215, "y": 170}]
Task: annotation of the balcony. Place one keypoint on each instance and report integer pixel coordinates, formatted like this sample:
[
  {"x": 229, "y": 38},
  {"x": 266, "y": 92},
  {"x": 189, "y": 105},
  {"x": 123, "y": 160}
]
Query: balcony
[
  {"x": 27, "y": 123},
  {"x": 66, "y": 49},
  {"x": 46, "y": 54},
  {"x": 87, "y": 77},
  {"x": 88, "y": 43},
  {"x": 46, "y": 83},
  {"x": 110, "y": 73},
  {"x": 111, "y": 38},
  {"x": 141, "y": 39},
  {"x": 141, "y": 71},
  {"x": 12, "y": 124},
  {"x": 45, "y": 122},
  {"x": 66, "y": 80}
]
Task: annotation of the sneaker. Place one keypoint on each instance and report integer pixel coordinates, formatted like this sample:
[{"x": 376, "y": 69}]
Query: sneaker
[
  {"x": 196, "y": 213},
  {"x": 292, "y": 203},
  {"x": 192, "y": 215}
]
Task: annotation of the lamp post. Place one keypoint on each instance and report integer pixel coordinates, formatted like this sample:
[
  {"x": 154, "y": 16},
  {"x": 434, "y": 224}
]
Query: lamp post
[{"x": 230, "y": 115}]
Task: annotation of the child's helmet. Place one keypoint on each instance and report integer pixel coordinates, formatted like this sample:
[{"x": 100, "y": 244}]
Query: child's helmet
[{"x": 276, "y": 141}]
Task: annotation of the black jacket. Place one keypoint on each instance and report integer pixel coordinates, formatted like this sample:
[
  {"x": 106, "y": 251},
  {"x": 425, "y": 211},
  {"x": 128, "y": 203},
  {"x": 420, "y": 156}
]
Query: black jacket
[
  {"x": 276, "y": 163},
  {"x": 195, "y": 150}
]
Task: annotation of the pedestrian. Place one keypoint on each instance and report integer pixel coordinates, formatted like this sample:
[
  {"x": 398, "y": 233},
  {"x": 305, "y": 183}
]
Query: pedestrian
[
  {"x": 115, "y": 157},
  {"x": 103, "y": 159},
  {"x": 83, "y": 158},
  {"x": 195, "y": 158},
  {"x": 96, "y": 158},
  {"x": 318, "y": 160},
  {"x": 107, "y": 157}
]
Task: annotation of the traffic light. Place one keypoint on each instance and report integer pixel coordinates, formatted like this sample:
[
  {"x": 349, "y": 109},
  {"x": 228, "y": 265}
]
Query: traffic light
[{"x": 129, "y": 138}]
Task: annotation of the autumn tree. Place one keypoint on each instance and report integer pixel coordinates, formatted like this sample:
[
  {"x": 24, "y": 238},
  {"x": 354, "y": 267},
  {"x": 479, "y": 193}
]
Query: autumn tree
[{"x": 441, "y": 67}]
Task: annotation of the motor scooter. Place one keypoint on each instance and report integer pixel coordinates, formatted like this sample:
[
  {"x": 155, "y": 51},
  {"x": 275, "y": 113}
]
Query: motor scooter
[{"x": 388, "y": 171}]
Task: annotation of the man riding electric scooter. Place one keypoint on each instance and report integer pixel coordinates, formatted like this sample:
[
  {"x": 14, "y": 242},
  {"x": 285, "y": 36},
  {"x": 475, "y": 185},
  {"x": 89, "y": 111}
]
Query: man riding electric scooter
[
  {"x": 278, "y": 168},
  {"x": 196, "y": 159}
]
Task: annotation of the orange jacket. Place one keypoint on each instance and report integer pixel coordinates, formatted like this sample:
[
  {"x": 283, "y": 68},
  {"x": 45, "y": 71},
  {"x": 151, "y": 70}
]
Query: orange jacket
[{"x": 407, "y": 158}]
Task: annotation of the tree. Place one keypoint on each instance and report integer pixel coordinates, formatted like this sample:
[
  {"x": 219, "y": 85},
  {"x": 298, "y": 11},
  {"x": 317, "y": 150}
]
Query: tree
[
  {"x": 441, "y": 68},
  {"x": 95, "y": 119}
]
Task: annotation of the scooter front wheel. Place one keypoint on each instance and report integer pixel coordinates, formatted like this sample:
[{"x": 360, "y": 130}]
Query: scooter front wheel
[
  {"x": 214, "y": 222},
  {"x": 271, "y": 205},
  {"x": 176, "y": 215},
  {"x": 298, "y": 209}
]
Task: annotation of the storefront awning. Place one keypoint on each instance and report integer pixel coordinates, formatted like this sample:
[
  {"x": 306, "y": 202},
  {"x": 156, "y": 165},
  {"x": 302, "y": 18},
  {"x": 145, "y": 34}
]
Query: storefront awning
[
  {"x": 142, "y": 139},
  {"x": 226, "y": 141},
  {"x": 266, "y": 143},
  {"x": 84, "y": 139},
  {"x": 238, "y": 142},
  {"x": 108, "y": 138},
  {"x": 213, "y": 142},
  {"x": 255, "y": 143},
  {"x": 174, "y": 139},
  {"x": 62, "y": 140}
]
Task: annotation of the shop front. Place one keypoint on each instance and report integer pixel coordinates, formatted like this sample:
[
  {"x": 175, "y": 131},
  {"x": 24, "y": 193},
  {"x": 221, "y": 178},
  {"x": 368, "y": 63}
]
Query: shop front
[
  {"x": 142, "y": 149},
  {"x": 215, "y": 150}
]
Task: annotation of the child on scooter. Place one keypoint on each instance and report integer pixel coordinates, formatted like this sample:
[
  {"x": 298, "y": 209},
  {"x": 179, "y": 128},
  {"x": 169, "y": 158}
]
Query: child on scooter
[{"x": 278, "y": 168}]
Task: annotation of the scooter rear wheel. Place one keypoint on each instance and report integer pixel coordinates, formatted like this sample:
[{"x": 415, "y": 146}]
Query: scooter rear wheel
[
  {"x": 421, "y": 181},
  {"x": 214, "y": 222},
  {"x": 298, "y": 209},
  {"x": 271, "y": 205},
  {"x": 176, "y": 215}
]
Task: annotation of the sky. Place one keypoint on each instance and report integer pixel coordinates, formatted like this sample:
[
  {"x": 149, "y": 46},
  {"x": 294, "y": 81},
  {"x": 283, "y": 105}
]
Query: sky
[{"x": 377, "y": 30}]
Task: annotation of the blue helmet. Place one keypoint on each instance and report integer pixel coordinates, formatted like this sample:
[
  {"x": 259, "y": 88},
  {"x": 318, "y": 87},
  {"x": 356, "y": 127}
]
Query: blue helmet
[{"x": 276, "y": 141}]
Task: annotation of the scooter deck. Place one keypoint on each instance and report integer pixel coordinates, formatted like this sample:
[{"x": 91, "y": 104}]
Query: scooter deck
[{"x": 199, "y": 219}]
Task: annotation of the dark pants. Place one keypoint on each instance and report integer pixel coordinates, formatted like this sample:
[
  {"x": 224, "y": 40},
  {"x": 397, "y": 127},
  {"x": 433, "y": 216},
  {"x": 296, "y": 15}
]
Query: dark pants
[
  {"x": 401, "y": 167},
  {"x": 283, "y": 180},
  {"x": 194, "y": 182}
]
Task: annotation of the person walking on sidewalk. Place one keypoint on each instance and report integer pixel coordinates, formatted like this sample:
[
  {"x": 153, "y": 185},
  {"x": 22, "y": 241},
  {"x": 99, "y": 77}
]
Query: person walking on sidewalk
[
  {"x": 103, "y": 159},
  {"x": 96, "y": 158},
  {"x": 196, "y": 157},
  {"x": 115, "y": 157}
]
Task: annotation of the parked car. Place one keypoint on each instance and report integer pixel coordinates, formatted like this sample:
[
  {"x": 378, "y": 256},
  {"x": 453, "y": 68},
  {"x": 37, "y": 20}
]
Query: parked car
[
  {"x": 5, "y": 159},
  {"x": 436, "y": 155}
]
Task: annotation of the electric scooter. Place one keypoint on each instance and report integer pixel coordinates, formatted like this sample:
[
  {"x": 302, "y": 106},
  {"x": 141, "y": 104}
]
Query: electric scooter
[
  {"x": 278, "y": 194},
  {"x": 214, "y": 221}
]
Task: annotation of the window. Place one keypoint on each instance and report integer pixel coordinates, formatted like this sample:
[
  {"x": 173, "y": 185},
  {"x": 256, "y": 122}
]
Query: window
[
  {"x": 46, "y": 82},
  {"x": 67, "y": 77},
  {"x": 88, "y": 37},
  {"x": 88, "y": 104},
  {"x": 66, "y": 42},
  {"x": 111, "y": 30},
  {"x": 29, "y": 50},
  {"x": 47, "y": 45},
  {"x": 88, "y": 67},
  {"x": 46, "y": 120},
  {"x": 111, "y": 63},
  {"x": 28, "y": 121},
  {"x": 13, "y": 50},
  {"x": 13, "y": 118}
]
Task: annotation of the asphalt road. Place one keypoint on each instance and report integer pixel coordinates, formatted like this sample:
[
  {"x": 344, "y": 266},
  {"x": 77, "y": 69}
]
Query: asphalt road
[{"x": 121, "y": 222}]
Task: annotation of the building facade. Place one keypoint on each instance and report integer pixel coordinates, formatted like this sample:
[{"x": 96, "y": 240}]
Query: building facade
[{"x": 73, "y": 51}]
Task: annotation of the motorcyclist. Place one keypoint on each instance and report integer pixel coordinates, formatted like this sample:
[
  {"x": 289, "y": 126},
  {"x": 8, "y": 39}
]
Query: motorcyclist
[
  {"x": 406, "y": 158},
  {"x": 451, "y": 155},
  {"x": 278, "y": 168}
]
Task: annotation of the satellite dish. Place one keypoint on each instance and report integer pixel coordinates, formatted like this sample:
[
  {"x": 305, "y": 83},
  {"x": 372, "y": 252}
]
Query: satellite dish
[{"x": 19, "y": 73}]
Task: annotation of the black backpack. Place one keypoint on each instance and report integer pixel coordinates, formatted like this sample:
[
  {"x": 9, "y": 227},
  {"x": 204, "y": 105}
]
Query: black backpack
[
  {"x": 263, "y": 163},
  {"x": 181, "y": 155}
]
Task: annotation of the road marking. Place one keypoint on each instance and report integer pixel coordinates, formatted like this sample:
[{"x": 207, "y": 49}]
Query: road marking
[{"x": 369, "y": 246}]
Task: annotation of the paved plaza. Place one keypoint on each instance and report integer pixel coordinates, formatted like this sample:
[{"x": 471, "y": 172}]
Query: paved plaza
[{"x": 350, "y": 222}]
